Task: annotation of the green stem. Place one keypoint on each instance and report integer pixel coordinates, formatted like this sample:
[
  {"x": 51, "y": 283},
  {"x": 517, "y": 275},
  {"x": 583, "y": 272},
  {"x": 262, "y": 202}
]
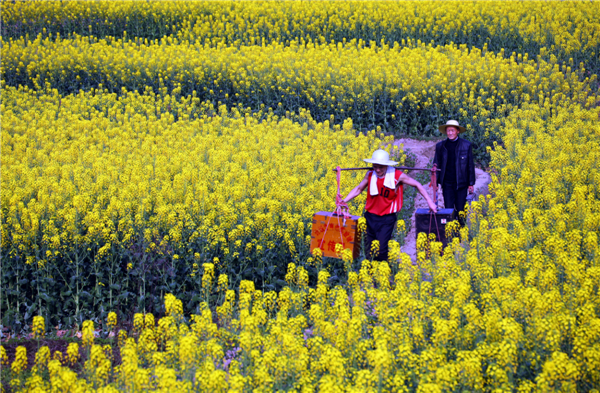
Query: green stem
[
  {"x": 110, "y": 279},
  {"x": 77, "y": 273},
  {"x": 37, "y": 284}
]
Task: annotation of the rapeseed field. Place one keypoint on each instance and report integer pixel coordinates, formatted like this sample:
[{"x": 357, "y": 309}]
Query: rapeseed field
[{"x": 161, "y": 162}]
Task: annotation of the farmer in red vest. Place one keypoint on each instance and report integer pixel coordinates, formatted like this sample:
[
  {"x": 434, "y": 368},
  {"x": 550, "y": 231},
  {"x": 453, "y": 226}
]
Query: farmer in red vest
[{"x": 384, "y": 200}]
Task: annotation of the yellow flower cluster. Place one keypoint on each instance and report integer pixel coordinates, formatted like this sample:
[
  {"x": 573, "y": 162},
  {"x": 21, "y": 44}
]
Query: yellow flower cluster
[
  {"x": 68, "y": 170},
  {"x": 173, "y": 305},
  {"x": 111, "y": 320},
  {"x": 20, "y": 362},
  {"x": 96, "y": 177},
  {"x": 401, "y": 85},
  {"x": 535, "y": 254},
  {"x": 566, "y": 27},
  {"x": 458, "y": 330},
  {"x": 72, "y": 353},
  {"x": 39, "y": 327},
  {"x": 3, "y": 357},
  {"x": 87, "y": 333},
  {"x": 139, "y": 183}
]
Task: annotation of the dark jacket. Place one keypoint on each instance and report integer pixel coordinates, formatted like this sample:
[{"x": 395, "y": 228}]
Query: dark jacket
[{"x": 465, "y": 167}]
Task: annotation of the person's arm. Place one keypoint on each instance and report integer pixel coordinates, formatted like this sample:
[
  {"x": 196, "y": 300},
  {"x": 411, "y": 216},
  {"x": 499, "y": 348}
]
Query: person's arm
[
  {"x": 436, "y": 165},
  {"x": 435, "y": 156},
  {"x": 471, "y": 169},
  {"x": 358, "y": 189},
  {"x": 404, "y": 178}
]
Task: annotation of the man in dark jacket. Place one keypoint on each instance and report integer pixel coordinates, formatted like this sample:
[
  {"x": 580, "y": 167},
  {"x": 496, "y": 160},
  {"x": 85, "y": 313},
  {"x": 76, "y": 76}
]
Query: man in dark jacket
[{"x": 454, "y": 157}]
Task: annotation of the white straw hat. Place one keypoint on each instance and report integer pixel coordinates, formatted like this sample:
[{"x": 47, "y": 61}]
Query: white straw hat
[
  {"x": 380, "y": 157},
  {"x": 452, "y": 123}
]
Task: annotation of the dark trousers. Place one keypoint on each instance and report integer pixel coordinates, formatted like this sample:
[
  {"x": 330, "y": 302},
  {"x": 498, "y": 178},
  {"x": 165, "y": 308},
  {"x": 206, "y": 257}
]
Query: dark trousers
[
  {"x": 455, "y": 199},
  {"x": 379, "y": 228}
]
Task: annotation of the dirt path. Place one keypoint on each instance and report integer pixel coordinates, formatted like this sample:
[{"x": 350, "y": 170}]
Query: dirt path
[{"x": 424, "y": 152}]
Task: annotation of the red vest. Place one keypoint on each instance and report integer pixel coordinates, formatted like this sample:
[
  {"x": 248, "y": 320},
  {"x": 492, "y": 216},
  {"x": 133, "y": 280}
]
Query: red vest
[{"x": 388, "y": 200}]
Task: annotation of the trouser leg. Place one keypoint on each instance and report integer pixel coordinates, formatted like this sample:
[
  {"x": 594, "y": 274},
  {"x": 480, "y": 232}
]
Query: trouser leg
[
  {"x": 379, "y": 228},
  {"x": 459, "y": 203},
  {"x": 370, "y": 235},
  {"x": 455, "y": 199},
  {"x": 448, "y": 191}
]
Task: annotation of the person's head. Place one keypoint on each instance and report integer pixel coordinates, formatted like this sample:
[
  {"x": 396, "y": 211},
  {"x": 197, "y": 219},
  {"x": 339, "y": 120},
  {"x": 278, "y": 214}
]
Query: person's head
[
  {"x": 381, "y": 161},
  {"x": 380, "y": 170},
  {"x": 451, "y": 129},
  {"x": 452, "y": 132}
]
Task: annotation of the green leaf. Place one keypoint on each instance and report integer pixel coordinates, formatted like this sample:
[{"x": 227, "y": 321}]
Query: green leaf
[
  {"x": 30, "y": 310},
  {"x": 123, "y": 295},
  {"x": 86, "y": 295},
  {"x": 44, "y": 296}
]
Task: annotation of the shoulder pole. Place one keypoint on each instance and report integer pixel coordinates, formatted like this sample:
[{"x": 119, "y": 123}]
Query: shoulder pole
[{"x": 406, "y": 168}]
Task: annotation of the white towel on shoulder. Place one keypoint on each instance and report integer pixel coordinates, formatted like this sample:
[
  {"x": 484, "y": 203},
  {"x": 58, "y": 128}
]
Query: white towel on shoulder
[{"x": 389, "y": 181}]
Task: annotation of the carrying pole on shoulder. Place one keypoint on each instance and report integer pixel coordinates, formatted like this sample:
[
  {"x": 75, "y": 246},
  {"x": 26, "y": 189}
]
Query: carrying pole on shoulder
[
  {"x": 433, "y": 183},
  {"x": 405, "y": 168}
]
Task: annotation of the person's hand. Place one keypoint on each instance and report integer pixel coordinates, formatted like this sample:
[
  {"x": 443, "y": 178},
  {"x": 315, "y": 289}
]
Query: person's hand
[
  {"x": 432, "y": 206},
  {"x": 471, "y": 189}
]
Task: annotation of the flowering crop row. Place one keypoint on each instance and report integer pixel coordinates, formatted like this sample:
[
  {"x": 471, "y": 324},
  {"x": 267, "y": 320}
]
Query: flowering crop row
[
  {"x": 118, "y": 182},
  {"x": 534, "y": 258},
  {"x": 135, "y": 187},
  {"x": 406, "y": 88},
  {"x": 567, "y": 29},
  {"x": 513, "y": 303}
]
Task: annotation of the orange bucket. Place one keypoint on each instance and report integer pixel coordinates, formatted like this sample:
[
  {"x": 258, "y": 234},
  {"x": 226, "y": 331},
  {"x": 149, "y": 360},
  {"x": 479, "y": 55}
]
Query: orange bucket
[{"x": 328, "y": 229}]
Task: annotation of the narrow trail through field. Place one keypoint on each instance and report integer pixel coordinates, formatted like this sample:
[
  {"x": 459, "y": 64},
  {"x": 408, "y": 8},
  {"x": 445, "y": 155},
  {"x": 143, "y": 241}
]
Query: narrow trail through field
[{"x": 424, "y": 152}]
